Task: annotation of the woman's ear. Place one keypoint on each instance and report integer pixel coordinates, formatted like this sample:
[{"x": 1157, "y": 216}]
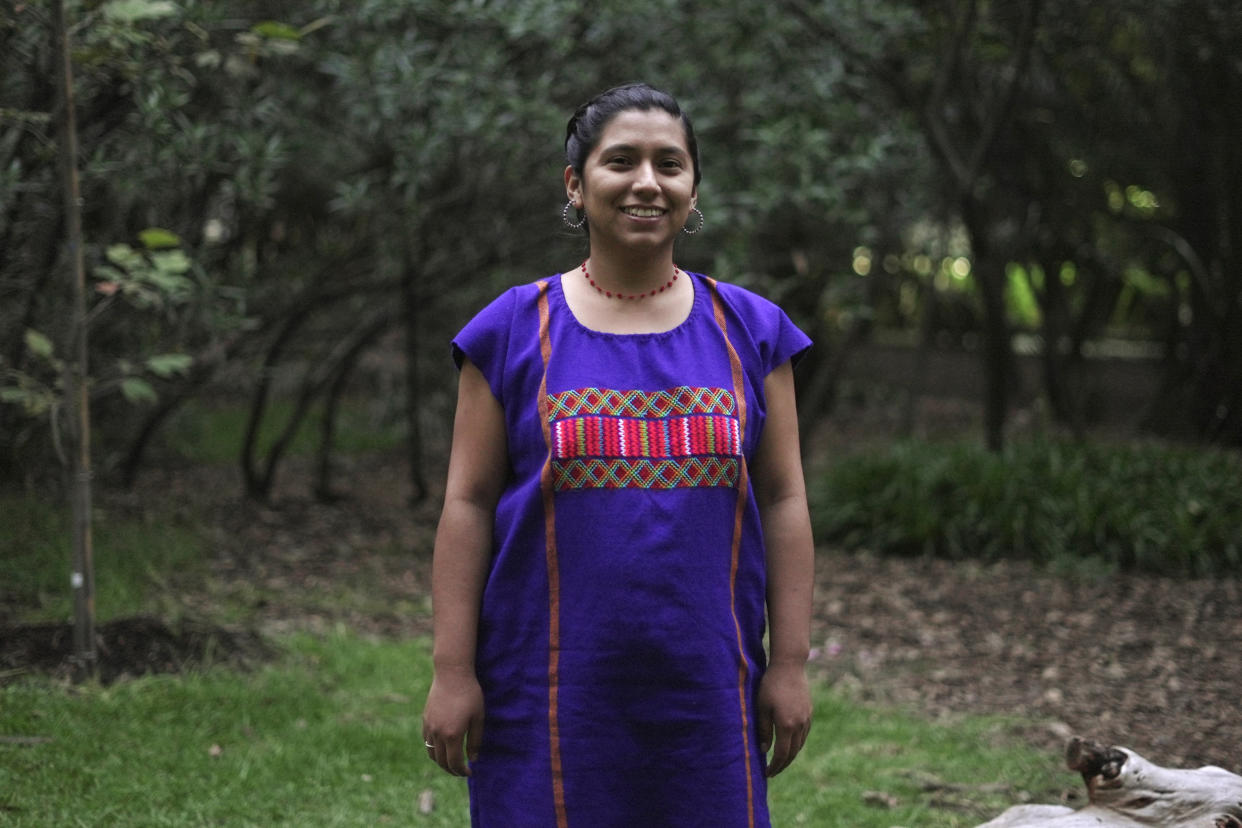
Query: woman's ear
[{"x": 573, "y": 186}]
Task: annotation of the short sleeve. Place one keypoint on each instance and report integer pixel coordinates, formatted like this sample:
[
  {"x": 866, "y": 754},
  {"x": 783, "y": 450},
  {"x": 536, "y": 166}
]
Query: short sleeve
[
  {"x": 485, "y": 341},
  {"x": 776, "y": 339},
  {"x": 789, "y": 343}
]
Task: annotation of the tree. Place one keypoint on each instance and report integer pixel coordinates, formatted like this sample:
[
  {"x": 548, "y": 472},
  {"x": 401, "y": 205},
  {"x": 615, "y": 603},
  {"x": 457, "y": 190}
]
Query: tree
[
  {"x": 83, "y": 580},
  {"x": 961, "y": 82}
]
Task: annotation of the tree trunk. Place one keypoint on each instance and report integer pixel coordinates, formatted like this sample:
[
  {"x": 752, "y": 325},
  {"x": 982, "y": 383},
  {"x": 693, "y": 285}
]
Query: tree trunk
[
  {"x": 922, "y": 355},
  {"x": 997, "y": 353},
  {"x": 317, "y": 378},
  {"x": 341, "y": 374},
  {"x": 1061, "y": 355},
  {"x": 413, "y": 381},
  {"x": 258, "y": 482},
  {"x": 83, "y": 572}
]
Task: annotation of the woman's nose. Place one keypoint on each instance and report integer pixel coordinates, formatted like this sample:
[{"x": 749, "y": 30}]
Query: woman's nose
[{"x": 645, "y": 177}]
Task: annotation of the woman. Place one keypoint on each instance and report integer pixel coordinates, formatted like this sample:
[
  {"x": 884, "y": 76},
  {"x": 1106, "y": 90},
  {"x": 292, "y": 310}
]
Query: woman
[{"x": 624, "y": 500}]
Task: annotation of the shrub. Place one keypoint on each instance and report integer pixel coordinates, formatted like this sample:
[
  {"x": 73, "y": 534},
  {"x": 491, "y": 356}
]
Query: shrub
[{"x": 1142, "y": 506}]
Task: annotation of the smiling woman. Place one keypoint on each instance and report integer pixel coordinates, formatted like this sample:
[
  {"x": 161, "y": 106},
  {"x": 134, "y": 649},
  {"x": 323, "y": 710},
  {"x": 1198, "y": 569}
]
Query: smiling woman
[
  {"x": 637, "y": 189},
  {"x": 624, "y": 515}
]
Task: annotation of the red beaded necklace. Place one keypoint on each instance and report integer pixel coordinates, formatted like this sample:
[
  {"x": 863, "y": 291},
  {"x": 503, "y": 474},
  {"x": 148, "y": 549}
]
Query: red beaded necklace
[{"x": 612, "y": 295}]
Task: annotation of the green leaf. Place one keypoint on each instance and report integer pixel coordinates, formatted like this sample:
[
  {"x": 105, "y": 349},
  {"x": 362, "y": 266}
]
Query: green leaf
[
  {"x": 131, "y": 11},
  {"x": 171, "y": 261},
  {"x": 13, "y": 395},
  {"x": 165, "y": 365},
  {"x": 276, "y": 31},
  {"x": 124, "y": 256},
  {"x": 108, "y": 273},
  {"x": 157, "y": 238},
  {"x": 38, "y": 344},
  {"x": 138, "y": 390}
]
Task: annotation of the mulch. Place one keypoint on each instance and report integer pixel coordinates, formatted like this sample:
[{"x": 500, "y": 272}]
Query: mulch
[{"x": 1149, "y": 663}]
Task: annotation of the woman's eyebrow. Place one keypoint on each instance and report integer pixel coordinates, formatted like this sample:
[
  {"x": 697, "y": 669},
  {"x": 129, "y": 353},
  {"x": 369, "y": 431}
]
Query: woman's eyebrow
[{"x": 669, "y": 150}]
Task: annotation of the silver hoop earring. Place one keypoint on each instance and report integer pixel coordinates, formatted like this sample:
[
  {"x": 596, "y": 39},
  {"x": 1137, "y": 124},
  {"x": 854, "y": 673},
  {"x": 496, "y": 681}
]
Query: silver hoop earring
[
  {"x": 565, "y": 217},
  {"x": 687, "y": 229}
]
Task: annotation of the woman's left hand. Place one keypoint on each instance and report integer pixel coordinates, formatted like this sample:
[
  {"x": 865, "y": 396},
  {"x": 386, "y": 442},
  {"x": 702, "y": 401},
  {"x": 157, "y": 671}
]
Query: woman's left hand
[{"x": 783, "y": 714}]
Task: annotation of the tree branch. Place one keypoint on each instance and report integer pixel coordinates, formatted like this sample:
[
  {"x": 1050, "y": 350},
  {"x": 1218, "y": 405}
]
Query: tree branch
[{"x": 1017, "y": 73}]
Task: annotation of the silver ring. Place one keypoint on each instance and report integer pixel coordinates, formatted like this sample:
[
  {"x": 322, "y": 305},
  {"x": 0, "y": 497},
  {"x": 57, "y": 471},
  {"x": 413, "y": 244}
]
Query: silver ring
[{"x": 428, "y": 745}]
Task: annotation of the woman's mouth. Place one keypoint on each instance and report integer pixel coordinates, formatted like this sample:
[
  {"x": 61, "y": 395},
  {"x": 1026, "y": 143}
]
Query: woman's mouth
[{"x": 643, "y": 212}]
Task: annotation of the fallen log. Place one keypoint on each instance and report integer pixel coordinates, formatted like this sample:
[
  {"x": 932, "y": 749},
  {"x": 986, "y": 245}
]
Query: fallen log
[{"x": 1125, "y": 790}]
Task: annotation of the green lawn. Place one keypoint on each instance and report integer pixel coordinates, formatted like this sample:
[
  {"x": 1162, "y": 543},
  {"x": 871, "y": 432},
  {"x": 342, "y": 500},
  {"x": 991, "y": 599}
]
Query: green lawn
[{"x": 329, "y": 735}]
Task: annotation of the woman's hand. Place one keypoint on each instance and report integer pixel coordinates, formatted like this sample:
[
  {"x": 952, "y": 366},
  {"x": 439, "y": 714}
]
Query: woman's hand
[
  {"x": 453, "y": 720},
  {"x": 784, "y": 714}
]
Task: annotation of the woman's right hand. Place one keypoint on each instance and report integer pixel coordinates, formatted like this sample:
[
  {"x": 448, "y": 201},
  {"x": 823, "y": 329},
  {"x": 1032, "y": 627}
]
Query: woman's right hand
[{"x": 453, "y": 720}]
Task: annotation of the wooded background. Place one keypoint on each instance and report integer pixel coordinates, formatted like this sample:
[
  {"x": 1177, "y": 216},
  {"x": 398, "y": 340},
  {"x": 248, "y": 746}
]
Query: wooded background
[{"x": 304, "y": 200}]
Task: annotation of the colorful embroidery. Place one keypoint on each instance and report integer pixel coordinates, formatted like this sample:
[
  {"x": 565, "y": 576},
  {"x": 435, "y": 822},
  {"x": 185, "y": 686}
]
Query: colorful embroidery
[
  {"x": 689, "y": 472},
  {"x": 676, "y": 438},
  {"x": 629, "y": 437},
  {"x": 682, "y": 400}
]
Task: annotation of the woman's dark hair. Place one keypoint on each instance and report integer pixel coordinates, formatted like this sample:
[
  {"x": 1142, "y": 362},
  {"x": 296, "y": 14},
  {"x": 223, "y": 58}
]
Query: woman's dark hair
[{"x": 589, "y": 121}]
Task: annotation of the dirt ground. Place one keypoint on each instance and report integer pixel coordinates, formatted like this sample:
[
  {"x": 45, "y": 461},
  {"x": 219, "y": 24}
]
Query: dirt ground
[{"x": 1154, "y": 664}]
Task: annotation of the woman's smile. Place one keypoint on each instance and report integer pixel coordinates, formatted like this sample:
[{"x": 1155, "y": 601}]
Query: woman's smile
[
  {"x": 642, "y": 169},
  {"x": 643, "y": 212}
]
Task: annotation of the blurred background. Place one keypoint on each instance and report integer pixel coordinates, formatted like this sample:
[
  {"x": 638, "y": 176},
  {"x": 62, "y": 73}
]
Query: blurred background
[
  {"x": 999, "y": 222},
  {"x": 1013, "y": 230},
  {"x": 1031, "y": 204}
]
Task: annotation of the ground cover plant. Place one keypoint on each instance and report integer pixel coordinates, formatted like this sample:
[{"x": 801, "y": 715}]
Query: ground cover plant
[{"x": 1143, "y": 506}]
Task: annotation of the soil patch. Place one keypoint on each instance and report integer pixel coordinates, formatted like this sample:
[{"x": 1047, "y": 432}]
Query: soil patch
[{"x": 128, "y": 647}]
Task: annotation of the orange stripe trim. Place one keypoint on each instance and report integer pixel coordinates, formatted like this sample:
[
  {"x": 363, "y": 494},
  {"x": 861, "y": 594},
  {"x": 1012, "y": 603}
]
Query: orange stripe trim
[
  {"x": 743, "y": 672},
  {"x": 553, "y": 566}
]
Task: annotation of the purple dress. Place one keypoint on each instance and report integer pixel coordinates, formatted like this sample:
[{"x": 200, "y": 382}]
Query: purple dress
[{"x": 621, "y": 633}]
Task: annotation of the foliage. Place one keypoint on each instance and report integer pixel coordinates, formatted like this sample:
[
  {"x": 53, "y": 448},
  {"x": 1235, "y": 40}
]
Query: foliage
[
  {"x": 330, "y": 735},
  {"x": 1143, "y": 506},
  {"x": 334, "y": 171},
  {"x": 1061, "y": 144},
  {"x": 154, "y": 303}
]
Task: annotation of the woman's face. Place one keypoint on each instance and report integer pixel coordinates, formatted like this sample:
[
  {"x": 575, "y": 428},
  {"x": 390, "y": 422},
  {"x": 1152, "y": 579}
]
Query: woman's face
[{"x": 637, "y": 185}]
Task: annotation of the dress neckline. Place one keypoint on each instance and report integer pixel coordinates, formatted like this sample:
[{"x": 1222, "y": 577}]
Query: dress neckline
[{"x": 695, "y": 286}]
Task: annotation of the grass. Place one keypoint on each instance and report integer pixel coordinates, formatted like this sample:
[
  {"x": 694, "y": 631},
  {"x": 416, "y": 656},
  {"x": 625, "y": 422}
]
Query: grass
[
  {"x": 330, "y": 736},
  {"x": 131, "y": 554}
]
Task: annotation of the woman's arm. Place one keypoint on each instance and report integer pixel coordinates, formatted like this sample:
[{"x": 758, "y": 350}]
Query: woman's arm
[
  {"x": 453, "y": 716},
  {"x": 784, "y": 705}
]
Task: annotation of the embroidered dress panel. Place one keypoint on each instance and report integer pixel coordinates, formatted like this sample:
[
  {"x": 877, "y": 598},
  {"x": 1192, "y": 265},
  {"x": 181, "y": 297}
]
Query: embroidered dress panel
[{"x": 676, "y": 438}]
